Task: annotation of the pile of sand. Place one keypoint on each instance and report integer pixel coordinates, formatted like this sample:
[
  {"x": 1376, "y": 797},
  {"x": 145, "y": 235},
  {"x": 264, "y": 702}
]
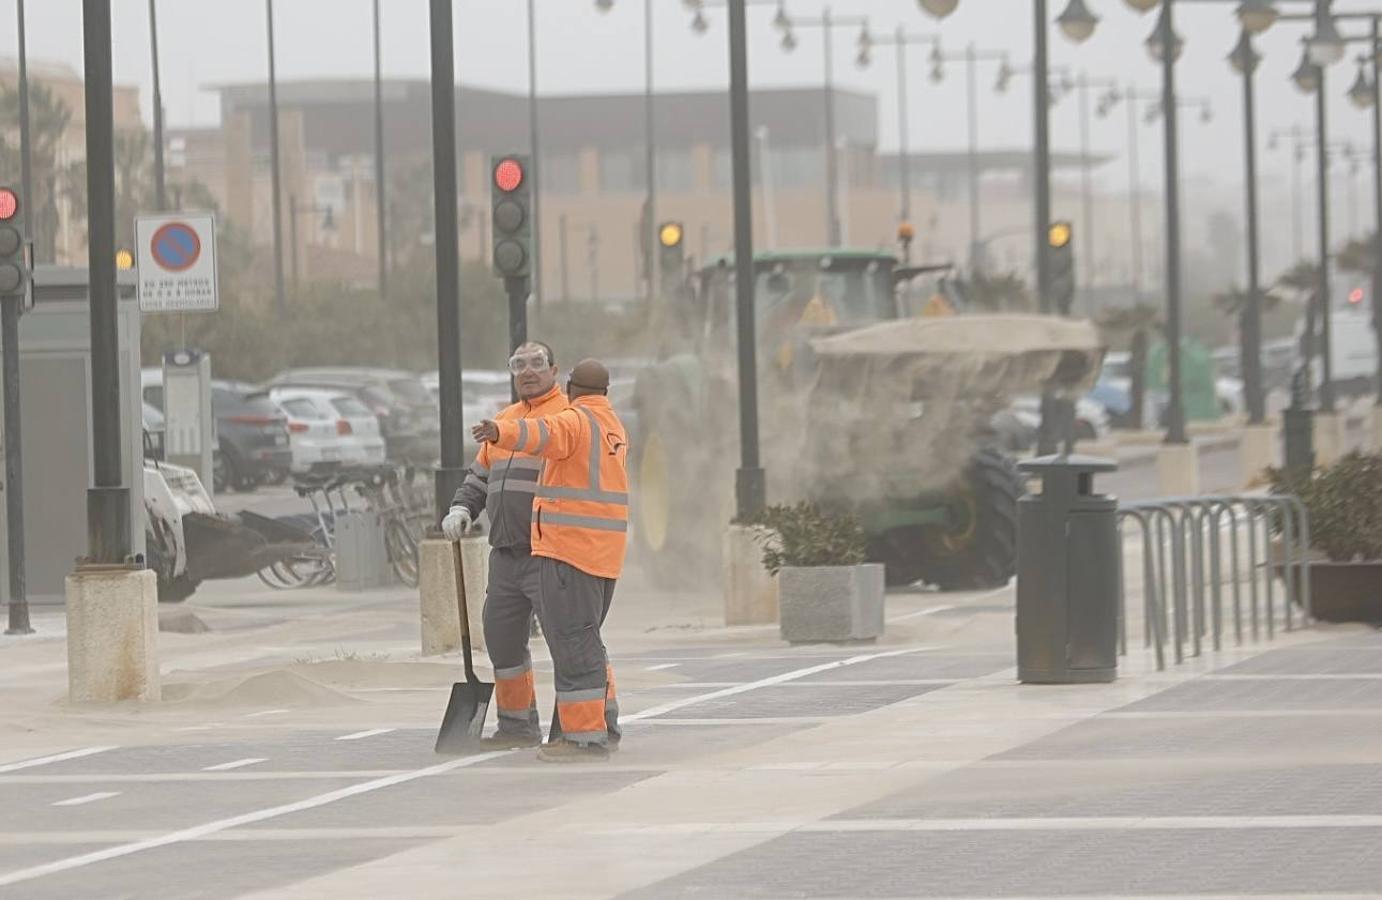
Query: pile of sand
[{"x": 275, "y": 688}]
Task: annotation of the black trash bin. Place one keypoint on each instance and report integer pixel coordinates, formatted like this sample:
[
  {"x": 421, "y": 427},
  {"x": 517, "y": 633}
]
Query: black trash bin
[{"x": 1069, "y": 562}]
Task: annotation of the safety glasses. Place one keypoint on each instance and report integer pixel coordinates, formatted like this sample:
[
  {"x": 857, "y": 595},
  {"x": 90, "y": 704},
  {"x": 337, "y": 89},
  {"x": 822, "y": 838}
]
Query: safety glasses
[{"x": 537, "y": 362}]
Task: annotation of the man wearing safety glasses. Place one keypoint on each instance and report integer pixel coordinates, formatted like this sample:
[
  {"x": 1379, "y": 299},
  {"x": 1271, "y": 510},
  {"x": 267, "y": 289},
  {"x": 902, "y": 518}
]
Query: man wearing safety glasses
[{"x": 503, "y": 483}]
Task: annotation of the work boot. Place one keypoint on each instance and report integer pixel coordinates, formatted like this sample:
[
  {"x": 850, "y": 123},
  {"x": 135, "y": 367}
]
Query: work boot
[
  {"x": 506, "y": 741},
  {"x": 563, "y": 751}
]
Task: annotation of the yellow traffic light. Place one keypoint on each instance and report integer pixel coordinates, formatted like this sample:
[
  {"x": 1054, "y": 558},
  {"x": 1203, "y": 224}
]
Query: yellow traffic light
[
  {"x": 1058, "y": 235},
  {"x": 670, "y": 234},
  {"x": 906, "y": 231},
  {"x": 124, "y": 260}
]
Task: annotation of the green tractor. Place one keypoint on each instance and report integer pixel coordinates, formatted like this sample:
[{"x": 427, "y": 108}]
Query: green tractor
[{"x": 865, "y": 406}]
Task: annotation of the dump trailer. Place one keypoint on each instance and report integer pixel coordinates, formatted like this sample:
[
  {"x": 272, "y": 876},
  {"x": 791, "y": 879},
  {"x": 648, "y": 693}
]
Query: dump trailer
[{"x": 864, "y": 409}]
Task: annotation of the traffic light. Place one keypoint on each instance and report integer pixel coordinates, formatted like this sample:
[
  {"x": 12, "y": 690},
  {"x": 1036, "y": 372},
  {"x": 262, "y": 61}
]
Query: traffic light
[
  {"x": 14, "y": 269},
  {"x": 511, "y": 200},
  {"x": 1059, "y": 238},
  {"x": 671, "y": 259}
]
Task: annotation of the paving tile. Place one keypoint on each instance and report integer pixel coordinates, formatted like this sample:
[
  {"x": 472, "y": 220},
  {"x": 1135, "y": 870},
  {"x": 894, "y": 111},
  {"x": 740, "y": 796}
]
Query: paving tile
[
  {"x": 1038, "y": 864},
  {"x": 1333, "y": 660},
  {"x": 1082, "y": 791},
  {"x": 1340, "y": 693},
  {"x": 222, "y": 870},
  {"x": 1156, "y": 738},
  {"x": 821, "y": 700}
]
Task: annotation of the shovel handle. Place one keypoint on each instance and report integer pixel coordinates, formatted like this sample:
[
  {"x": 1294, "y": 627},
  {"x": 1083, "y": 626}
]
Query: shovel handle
[{"x": 464, "y": 611}]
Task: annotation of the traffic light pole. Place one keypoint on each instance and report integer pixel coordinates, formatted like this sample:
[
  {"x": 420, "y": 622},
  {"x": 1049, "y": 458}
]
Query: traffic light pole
[
  {"x": 160, "y": 194},
  {"x": 451, "y": 472},
  {"x": 750, "y": 484},
  {"x": 9, "y": 334},
  {"x": 14, "y": 469},
  {"x": 517, "y": 290},
  {"x": 108, "y": 501}
]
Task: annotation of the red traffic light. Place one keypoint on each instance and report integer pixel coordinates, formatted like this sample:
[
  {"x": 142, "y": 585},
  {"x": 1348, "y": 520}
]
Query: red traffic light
[
  {"x": 508, "y": 175},
  {"x": 1355, "y": 296},
  {"x": 9, "y": 204}
]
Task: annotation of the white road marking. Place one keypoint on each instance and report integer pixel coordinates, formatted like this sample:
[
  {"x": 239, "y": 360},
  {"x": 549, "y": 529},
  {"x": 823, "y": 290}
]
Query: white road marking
[
  {"x": 265, "y": 712},
  {"x": 57, "y": 757},
  {"x": 364, "y": 734},
  {"x": 1092, "y": 823},
  {"x": 236, "y": 764},
  {"x": 201, "y": 831},
  {"x": 661, "y": 667},
  {"x": 767, "y": 682},
  {"x": 200, "y": 727},
  {"x": 88, "y": 798},
  {"x": 922, "y": 612},
  {"x": 1341, "y": 676}
]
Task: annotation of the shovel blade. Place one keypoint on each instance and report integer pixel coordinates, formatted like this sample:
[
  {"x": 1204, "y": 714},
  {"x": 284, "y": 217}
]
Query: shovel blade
[{"x": 464, "y": 721}]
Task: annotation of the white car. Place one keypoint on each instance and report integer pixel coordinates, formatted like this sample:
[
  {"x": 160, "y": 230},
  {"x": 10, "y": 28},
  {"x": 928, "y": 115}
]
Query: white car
[
  {"x": 328, "y": 429},
  {"x": 1091, "y": 419}
]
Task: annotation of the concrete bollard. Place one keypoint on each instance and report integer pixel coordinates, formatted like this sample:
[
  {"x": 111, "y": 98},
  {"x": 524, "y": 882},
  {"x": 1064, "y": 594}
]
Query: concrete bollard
[
  {"x": 751, "y": 596},
  {"x": 1178, "y": 470},
  {"x": 441, "y": 620},
  {"x": 112, "y": 635},
  {"x": 1329, "y": 438},
  {"x": 1256, "y": 451}
]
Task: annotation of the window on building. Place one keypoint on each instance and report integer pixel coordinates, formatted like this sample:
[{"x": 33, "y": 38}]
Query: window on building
[
  {"x": 621, "y": 170},
  {"x": 561, "y": 174},
  {"x": 676, "y": 170},
  {"x": 799, "y": 166}
]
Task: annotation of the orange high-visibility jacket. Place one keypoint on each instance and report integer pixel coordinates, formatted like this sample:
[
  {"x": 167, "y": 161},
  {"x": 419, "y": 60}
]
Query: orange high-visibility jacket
[
  {"x": 505, "y": 483},
  {"x": 581, "y": 514}
]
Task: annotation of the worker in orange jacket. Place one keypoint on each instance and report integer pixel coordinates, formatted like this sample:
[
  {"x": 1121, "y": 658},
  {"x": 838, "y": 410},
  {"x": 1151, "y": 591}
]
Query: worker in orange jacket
[
  {"x": 579, "y": 532},
  {"x": 504, "y": 484}
]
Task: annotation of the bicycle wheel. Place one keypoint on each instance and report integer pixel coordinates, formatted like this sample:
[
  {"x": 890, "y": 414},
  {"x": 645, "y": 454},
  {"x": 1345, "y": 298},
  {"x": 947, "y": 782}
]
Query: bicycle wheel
[{"x": 403, "y": 552}]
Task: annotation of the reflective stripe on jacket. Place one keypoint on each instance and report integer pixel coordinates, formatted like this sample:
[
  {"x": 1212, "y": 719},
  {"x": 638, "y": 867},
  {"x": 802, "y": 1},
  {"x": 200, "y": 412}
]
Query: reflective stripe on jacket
[
  {"x": 504, "y": 482},
  {"x": 581, "y": 514}
]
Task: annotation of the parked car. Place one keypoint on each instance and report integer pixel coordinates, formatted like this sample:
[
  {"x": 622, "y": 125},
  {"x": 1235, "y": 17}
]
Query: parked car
[
  {"x": 405, "y": 409},
  {"x": 328, "y": 429},
  {"x": 1091, "y": 419},
  {"x": 251, "y": 434}
]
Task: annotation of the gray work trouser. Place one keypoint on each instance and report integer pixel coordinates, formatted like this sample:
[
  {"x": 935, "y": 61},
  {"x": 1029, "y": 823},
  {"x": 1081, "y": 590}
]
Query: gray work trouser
[
  {"x": 571, "y": 607},
  {"x": 510, "y": 600}
]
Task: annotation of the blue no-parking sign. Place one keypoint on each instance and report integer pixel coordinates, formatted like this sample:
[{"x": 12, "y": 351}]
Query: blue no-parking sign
[{"x": 177, "y": 262}]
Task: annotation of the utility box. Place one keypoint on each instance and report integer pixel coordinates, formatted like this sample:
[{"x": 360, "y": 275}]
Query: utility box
[
  {"x": 55, "y": 400},
  {"x": 1069, "y": 564},
  {"x": 362, "y": 560},
  {"x": 189, "y": 425}
]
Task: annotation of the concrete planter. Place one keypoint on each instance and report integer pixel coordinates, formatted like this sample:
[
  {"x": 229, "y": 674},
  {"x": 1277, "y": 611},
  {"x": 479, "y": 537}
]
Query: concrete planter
[
  {"x": 831, "y": 603},
  {"x": 1343, "y": 592}
]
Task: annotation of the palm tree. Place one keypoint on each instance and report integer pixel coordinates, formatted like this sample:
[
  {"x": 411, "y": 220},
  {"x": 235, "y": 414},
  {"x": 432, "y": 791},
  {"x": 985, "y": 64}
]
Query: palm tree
[
  {"x": 49, "y": 119},
  {"x": 1135, "y": 323}
]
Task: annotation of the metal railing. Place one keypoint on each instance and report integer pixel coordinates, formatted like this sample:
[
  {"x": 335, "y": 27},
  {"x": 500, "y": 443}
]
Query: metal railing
[{"x": 1185, "y": 569}]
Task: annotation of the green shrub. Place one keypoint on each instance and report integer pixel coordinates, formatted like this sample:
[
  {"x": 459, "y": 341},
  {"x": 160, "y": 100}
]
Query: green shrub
[
  {"x": 806, "y": 535},
  {"x": 1344, "y": 502}
]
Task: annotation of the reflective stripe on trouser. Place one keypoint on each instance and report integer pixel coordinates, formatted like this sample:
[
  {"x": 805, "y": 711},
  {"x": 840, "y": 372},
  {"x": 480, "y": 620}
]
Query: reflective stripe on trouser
[
  {"x": 571, "y": 607},
  {"x": 509, "y": 603}
]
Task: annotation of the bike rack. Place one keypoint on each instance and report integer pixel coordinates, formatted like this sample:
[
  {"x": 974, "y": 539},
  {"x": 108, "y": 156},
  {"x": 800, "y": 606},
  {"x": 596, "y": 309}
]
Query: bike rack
[{"x": 1184, "y": 568}]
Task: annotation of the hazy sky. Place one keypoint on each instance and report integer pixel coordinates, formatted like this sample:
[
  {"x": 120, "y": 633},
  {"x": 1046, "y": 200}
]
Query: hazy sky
[{"x": 205, "y": 42}]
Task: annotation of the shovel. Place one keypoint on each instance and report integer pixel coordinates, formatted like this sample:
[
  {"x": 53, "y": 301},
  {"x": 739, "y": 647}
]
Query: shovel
[{"x": 464, "y": 721}]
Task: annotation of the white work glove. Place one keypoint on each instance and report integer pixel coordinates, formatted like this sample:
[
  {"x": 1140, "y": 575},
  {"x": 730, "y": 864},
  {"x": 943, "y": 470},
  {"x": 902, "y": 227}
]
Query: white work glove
[{"x": 456, "y": 523}]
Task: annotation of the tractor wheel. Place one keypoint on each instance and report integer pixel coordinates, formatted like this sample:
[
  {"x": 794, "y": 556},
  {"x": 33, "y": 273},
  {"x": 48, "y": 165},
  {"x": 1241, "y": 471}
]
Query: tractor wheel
[
  {"x": 977, "y": 548},
  {"x": 668, "y": 525}
]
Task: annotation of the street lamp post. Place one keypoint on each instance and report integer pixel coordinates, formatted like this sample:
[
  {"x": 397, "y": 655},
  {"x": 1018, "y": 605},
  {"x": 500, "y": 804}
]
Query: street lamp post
[
  {"x": 274, "y": 174},
  {"x": 109, "y": 538},
  {"x": 1244, "y": 60},
  {"x": 971, "y": 57},
  {"x": 160, "y": 198},
  {"x": 901, "y": 39},
  {"x": 1299, "y": 144},
  {"x": 1084, "y": 83},
  {"x": 649, "y": 217},
  {"x": 827, "y": 22},
  {"x": 451, "y": 471},
  {"x": 380, "y": 188},
  {"x": 750, "y": 483}
]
